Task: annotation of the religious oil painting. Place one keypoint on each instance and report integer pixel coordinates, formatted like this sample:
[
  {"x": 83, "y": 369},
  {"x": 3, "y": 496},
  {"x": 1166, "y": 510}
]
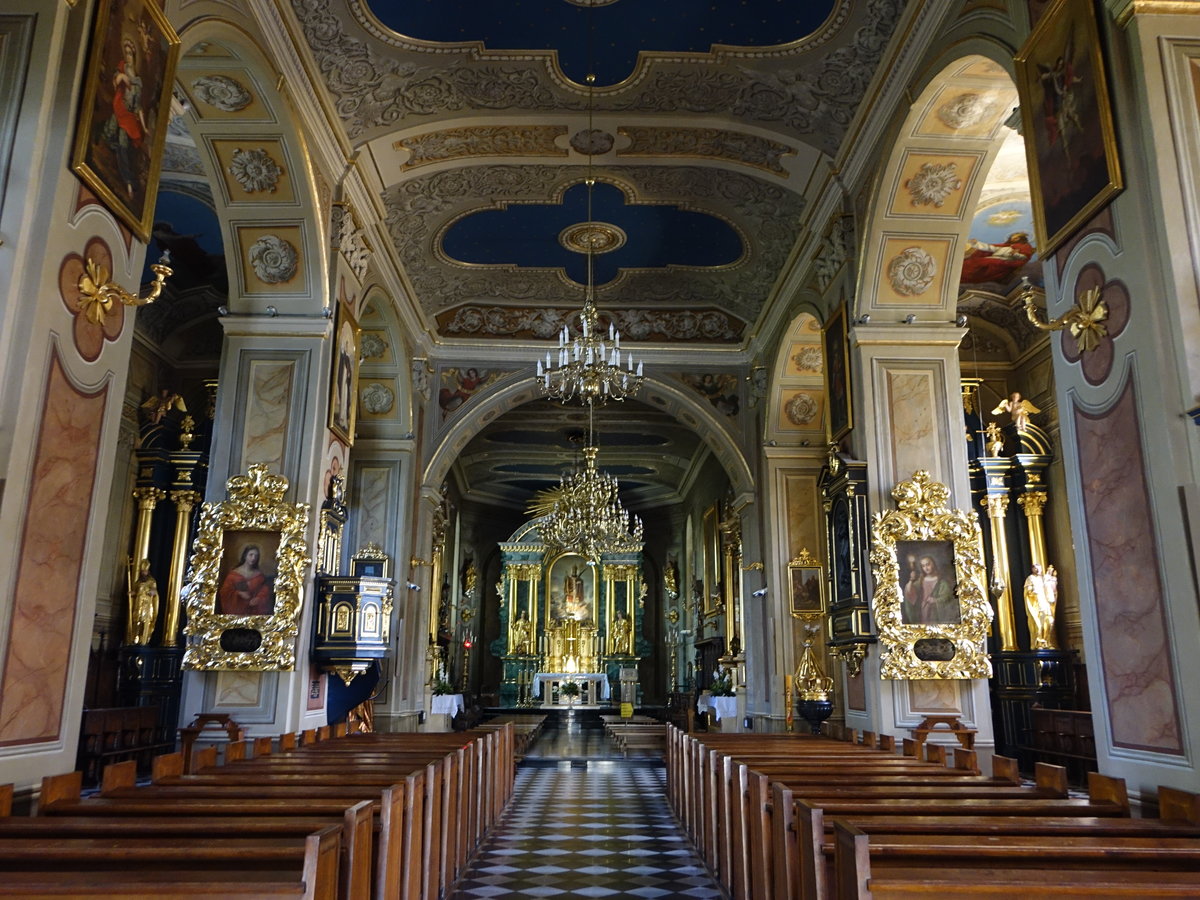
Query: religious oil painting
[
  {"x": 930, "y": 585},
  {"x": 343, "y": 387},
  {"x": 126, "y": 107},
  {"x": 248, "y": 567},
  {"x": 837, "y": 375},
  {"x": 248, "y": 573},
  {"x": 806, "y": 589},
  {"x": 930, "y": 605},
  {"x": 1068, "y": 124},
  {"x": 571, "y": 589}
]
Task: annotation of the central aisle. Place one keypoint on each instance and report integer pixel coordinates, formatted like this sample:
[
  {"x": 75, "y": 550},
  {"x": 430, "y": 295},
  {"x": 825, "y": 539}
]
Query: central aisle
[{"x": 587, "y": 827}]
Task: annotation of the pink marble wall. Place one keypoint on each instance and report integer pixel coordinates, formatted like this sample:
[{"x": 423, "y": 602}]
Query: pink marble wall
[
  {"x": 37, "y": 659},
  {"x": 1135, "y": 646}
]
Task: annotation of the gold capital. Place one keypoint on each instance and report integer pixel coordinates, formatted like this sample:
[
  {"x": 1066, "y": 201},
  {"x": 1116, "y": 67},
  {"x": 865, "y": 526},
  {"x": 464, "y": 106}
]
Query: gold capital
[
  {"x": 997, "y": 507},
  {"x": 1032, "y": 502}
]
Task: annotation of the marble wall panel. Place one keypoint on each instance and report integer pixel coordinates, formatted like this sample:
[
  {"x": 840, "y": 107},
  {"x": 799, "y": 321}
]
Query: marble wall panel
[
  {"x": 372, "y": 500},
  {"x": 265, "y": 433},
  {"x": 910, "y": 400},
  {"x": 37, "y": 659},
  {"x": 1135, "y": 645}
]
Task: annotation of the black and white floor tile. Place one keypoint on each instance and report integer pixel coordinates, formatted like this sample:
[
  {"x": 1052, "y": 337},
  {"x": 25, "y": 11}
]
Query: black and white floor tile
[{"x": 596, "y": 828}]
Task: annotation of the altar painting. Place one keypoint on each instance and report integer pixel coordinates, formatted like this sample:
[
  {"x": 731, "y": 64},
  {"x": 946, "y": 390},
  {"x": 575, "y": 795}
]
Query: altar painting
[{"x": 571, "y": 590}]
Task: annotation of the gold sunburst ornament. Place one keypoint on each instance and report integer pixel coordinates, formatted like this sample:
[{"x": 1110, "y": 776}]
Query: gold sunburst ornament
[{"x": 98, "y": 295}]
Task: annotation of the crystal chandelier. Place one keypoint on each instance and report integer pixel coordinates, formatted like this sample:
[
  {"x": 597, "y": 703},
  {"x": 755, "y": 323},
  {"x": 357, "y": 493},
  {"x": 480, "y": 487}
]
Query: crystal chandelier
[
  {"x": 589, "y": 367},
  {"x": 585, "y": 514}
]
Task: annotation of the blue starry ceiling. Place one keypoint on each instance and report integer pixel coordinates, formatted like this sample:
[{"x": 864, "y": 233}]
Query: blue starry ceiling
[
  {"x": 528, "y": 235},
  {"x": 610, "y": 35}
]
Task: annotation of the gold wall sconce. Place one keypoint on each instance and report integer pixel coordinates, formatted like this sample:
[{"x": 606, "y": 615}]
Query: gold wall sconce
[
  {"x": 98, "y": 295},
  {"x": 1084, "y": 320}
]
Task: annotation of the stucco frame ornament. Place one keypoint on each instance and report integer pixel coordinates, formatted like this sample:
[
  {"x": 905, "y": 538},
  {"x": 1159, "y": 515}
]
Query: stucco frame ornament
[
  {"x": 943, "y": 650},
  {"x": 255, "y": 511}
]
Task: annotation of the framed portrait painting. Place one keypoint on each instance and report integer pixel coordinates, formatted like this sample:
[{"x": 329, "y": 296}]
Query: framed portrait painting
[
  {"x": 930, "y": 605},
  {"x": 343, "y": 386},
  {"x": 126, "y": 108},
  {"x": 248, "y": 566},
  {"x": 806, "y": 578},
  {"x": 1070, "y": 142},
  {"x": 837, "y": 375}
]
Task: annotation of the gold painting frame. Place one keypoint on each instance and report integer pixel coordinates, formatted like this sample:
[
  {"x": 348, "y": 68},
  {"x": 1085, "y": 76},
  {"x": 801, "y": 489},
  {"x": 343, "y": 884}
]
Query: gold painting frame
[
  {"x": 806, "y": 586},
  {"x": 1065, "y": 104},
  {"x": 950, "y": 641},
  {"x": 260, "y": 634},
  {"x": 134, "y": 45}
]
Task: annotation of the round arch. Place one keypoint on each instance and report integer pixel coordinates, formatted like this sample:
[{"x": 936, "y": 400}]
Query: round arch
[
  {"x": 265, "y": 191},
  {"x": 697, "y": 415}
]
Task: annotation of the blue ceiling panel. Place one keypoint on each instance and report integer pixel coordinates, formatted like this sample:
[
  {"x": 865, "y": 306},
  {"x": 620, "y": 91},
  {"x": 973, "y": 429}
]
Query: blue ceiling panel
[
  {"x": 619, "y": 30},
  {"x": 527, "y": 235}
]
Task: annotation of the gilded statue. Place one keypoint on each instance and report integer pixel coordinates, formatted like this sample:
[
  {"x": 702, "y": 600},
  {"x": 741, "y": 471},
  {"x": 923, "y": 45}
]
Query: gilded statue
[
  {"x": 143, "y": 604},
  {"x": 522, "y": 636},
  {"x": 1041, "y": 599},
  {"x": 622, "y": 636},
  {"x": 1019, "y": 408},
  {"x": 995, "y": 440}
]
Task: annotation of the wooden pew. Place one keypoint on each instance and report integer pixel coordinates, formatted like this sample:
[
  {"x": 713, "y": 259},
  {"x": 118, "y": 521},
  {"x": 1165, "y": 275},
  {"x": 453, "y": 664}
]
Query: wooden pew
[
  {"x": 882, "y": 866},
  {"x": 144, "y": 867}
]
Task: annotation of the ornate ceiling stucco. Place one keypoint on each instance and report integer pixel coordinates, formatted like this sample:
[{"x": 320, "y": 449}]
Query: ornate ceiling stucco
[
  {"x": 735, "y": 132},
  {"x": 420, "y": 209}
]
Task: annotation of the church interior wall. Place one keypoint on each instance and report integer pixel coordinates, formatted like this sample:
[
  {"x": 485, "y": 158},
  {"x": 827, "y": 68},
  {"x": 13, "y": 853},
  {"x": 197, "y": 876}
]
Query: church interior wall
[{"x": 1124, "y": 446}]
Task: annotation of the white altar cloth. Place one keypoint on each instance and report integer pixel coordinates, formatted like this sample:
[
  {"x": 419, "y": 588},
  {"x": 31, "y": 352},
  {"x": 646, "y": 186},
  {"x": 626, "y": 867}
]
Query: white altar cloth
[
  {"x": 446, "y": 704},
  {"x": 598, "y": 678}
]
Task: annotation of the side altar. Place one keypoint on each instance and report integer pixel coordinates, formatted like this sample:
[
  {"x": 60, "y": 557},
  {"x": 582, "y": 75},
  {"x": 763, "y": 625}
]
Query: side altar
[{"x": 566, "y": 619}]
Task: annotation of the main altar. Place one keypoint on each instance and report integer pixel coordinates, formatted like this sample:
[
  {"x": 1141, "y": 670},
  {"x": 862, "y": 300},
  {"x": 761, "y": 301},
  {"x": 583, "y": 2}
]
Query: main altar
[{"x": 568, "y": 620}]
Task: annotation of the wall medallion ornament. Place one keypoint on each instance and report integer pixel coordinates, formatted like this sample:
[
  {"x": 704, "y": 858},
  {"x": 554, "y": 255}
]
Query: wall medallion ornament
[
  {"x": 912, "y": 272},
  {"x": 964, "y": 110},
  {"x": 372, "y": 345},
  {"x": 254, "y": 170},
  {"x": 802, "y": 409},
  {"x": 222, "y": 92},
  {"x": 246, "y": 579},
  {"x": 809, "y": 359},
  {"x": 274, "y": 259},
  {"x": 933, "y": 183},
  {"x": 377, "y": 399},
  {"x": 930, "y": 605}
]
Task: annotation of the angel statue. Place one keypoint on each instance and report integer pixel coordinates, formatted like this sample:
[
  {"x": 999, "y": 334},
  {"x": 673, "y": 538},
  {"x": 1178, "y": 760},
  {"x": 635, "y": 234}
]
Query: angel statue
[{"x": 1019, "y": 408}]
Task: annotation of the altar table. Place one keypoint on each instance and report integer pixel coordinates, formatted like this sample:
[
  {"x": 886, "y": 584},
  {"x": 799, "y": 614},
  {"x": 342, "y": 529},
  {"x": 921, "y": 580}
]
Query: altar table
[{"x": 592, "y": 685}]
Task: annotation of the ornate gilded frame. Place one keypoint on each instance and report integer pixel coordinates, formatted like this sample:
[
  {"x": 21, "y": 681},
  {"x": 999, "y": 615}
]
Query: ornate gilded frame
[
  {"x": 944, "y": 650},
  {"x": 806, "y": 584},
  {"x": 247, "y": 642}
]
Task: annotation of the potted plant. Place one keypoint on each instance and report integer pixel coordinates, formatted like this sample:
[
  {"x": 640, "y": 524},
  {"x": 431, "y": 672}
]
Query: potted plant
[
  {"x": 722, "y": 684},
  {"x": 442, "y": 687},
  {"x": 570, "y": 690}
]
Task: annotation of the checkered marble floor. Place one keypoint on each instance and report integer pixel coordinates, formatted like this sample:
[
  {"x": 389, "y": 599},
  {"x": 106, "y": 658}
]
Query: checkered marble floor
[{"x": 601, "y": 829}]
